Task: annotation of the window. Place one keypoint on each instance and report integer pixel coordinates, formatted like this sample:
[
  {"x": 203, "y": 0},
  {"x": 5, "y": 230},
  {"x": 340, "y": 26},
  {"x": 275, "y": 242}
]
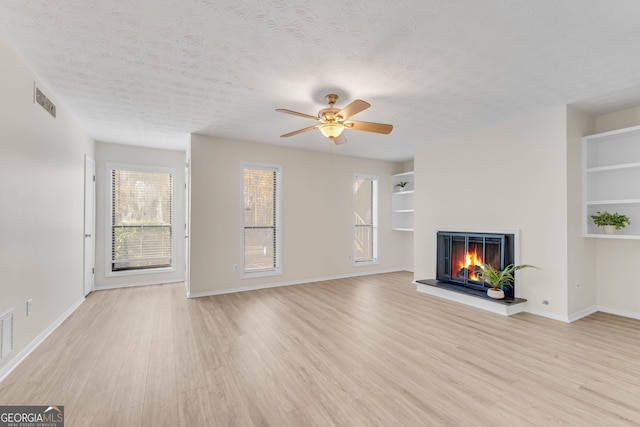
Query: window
[
  {"x": 365, "y": 218},
  {"x": 261, "y": 220},
  {"x": 141, "y": 210}
]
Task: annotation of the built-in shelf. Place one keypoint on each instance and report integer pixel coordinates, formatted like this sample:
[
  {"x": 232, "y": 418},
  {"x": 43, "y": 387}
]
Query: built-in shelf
[
  {"x": 613, "y": 202},
  {"x": 613, "y": 236},
  {"x": 402, "y": 202},
  {"x": 614, "y": 167},
  {"x": 611, "y": 169}
]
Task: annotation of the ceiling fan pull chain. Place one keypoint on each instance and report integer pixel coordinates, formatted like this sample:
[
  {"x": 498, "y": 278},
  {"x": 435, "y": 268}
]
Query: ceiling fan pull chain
[{"x": 330, "y": 151}]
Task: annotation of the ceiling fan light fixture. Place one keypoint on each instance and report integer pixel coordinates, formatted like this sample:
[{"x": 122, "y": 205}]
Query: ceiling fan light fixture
[
  {"x": 333, "y": 120},
  {"x": 331, "y": 130}
]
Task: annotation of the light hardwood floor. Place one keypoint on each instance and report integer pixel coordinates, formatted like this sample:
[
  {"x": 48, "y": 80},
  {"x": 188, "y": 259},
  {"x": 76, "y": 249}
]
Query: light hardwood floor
[{"x": 354, "y": 352}]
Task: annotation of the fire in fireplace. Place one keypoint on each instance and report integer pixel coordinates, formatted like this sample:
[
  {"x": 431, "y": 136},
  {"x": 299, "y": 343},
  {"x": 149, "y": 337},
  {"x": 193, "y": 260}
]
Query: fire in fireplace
[{"x": 460, "y": 256}]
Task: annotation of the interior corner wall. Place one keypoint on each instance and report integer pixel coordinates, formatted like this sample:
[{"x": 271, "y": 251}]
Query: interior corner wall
[
  {"x": 510, "y": 176},
  {"x": 118, "y": 153},
  {"x": 581, "y": 280},
  {"x": 187, "y": 195},
  {"x": 42, "y": 193},
  {"x": 408, "y": 251},
  {"x": 317, "y": 215},
  {"x": 616, "y": 260}
]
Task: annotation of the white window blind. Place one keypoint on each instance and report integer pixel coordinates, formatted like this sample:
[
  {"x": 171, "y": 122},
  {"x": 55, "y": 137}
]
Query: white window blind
[
  {"x": 365, "y": 218},
  {"x": 261, "y": 204},
  {"x": 141, "y": 219}
]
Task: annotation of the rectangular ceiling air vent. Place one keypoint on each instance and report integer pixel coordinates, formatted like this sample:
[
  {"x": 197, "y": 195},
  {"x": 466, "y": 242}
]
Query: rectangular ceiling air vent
[
  {"x": 45, "y": 102},
  {"x": 6, "y": 334}
]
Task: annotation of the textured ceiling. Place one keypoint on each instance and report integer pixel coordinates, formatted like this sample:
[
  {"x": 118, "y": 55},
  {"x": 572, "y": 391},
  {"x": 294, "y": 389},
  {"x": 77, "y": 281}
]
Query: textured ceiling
[{"x": 151, "y": 72}]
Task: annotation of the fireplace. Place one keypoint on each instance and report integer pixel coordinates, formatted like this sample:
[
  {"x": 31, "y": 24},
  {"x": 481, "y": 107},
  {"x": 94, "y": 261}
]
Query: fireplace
[{"x": 459, "y": 256}]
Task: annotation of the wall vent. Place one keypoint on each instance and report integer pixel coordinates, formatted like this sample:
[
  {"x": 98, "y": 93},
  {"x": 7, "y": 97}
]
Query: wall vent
[
  {"x": 6, "y": 334},
  {"x": 45, "y": 102}
]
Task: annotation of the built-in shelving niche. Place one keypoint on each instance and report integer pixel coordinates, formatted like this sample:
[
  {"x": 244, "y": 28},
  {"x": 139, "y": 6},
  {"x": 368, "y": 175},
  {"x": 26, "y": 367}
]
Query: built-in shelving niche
[
  {"x": 402, "y": 202},
  {"x": 611, "y": 173}
]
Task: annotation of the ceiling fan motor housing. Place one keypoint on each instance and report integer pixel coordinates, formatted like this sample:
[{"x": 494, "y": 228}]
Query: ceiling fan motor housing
[{"x": 329, "y": 115}]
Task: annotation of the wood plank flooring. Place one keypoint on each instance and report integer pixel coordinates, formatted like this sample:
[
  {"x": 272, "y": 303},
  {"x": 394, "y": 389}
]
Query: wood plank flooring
[{"x": 367, "y": 351}]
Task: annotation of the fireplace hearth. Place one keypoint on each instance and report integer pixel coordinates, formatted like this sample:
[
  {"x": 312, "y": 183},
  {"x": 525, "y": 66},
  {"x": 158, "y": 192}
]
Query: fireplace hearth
[{"x": 460, "y": 255}]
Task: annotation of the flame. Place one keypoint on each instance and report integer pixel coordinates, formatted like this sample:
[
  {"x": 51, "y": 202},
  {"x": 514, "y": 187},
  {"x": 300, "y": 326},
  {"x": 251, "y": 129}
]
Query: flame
[{"x": 471, "y": 259}]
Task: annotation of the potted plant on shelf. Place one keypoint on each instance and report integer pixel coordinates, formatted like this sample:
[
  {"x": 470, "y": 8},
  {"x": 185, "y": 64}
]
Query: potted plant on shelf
[
  {"x": 401, "y": 185},
  {"x": 497, "y": 279},
  {"x": 610, "y": 221}
]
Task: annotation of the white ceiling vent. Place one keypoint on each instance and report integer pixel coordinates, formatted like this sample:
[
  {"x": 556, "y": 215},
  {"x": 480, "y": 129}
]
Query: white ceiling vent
[
  {"x": 6, "y": 334},
  {"x": 45, "y": 102}
]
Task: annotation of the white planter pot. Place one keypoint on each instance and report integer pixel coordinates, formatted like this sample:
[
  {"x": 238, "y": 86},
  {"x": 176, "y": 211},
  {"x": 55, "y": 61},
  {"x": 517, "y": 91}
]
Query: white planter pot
[
  {"x": 609, "y": 229},
  {"x": 495, "y": 294}
]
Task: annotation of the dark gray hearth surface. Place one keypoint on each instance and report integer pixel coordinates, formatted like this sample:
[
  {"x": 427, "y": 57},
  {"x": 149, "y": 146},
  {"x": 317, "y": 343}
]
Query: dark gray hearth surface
[{"x": 468, "y": 291}]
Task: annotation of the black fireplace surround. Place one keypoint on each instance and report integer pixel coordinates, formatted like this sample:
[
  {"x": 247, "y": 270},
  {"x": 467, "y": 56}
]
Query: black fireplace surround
[{"x": 459, "y": 256}]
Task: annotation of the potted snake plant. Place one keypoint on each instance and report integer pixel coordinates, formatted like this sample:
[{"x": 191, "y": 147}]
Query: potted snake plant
[
  {"x": 497, "y": 278},
  {"x": 400, "y": 186}
]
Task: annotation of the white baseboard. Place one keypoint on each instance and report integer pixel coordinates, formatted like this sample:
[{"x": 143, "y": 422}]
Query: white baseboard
[
  {"x": 583, "y": 313},
  {"x": 134, "y": 285},
  {"x": 504, "y": 309},
  {"x": 18, "y": 358},
  {"x": 619, "y": 312},
  {"x": 479, "y": 303},
  {"x": 289, "y": 283},
  {"x": 548, "y": 314}
]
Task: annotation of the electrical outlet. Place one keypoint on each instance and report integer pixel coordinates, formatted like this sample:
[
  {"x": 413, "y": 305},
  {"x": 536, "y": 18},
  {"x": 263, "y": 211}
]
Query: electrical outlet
[
  {"x": 545, "y": 302},
  {"x": 349, "y": 257},
  {"x": 577, "y": 284},
  {"x": 29, "y": 305},
  {"x": 235, "y": 267}
]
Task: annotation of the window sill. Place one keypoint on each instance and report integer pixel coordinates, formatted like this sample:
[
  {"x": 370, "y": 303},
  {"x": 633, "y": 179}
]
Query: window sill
[
  {"x": 124, "y": 273},
  {"x": 365, "y": 263},
  {"x": 257, "y": 274}
]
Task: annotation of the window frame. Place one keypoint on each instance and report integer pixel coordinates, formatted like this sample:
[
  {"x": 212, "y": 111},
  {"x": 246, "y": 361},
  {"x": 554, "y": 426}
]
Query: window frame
[
  {"x": 109, "y": 220},
  {"x": 277, "y": 270},
  {"x": 375, "y": 214}
]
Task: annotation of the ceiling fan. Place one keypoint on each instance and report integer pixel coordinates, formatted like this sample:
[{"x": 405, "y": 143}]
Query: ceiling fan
[{"x": 333, "y": 121}]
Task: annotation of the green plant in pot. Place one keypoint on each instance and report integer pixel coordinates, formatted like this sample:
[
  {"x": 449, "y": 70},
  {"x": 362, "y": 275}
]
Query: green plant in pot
[
  {"x": 401, "y": 185},
  {"x": 497, "y": 279},
  {"x": 610, "y": 221}
]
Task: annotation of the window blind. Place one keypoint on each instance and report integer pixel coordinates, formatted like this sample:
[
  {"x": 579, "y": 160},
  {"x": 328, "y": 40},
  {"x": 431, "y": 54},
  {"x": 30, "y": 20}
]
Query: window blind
[
  {"x": 364, "y": 211},
  {"x": 260, "y": 218},
  {"x": 141, "y": 219}
]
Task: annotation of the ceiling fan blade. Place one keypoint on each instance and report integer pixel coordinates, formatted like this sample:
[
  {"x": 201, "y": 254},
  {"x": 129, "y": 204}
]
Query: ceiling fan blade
[
  {"x": 369, "y": 127},
  {"x": 286, "y": 135},
  {"x": 354, "y": 108},
  {"x": 340, "y": 139},
  {"x": 295, "y": 113}
]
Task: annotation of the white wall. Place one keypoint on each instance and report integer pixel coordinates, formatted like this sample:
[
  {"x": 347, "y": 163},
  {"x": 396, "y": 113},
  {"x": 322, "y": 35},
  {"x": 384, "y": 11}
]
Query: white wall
[
  {"x": 42, "y": 193},
  {"x": 117, "y": 153},
  {"x": 511, "y": 176},
  {"x": 617, "y": 260},
  {"x": 317, "y": 213},
  {"x": 581, "y": 281}
]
